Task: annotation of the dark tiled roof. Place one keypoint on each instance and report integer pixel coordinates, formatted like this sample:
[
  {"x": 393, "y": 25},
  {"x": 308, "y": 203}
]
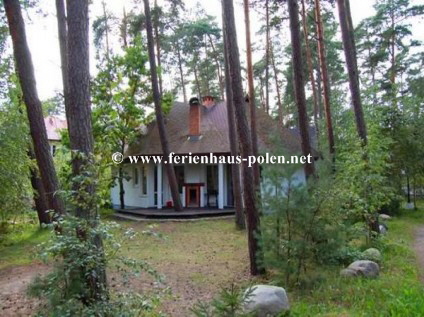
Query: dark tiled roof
[{"x": 214, "y": 131}]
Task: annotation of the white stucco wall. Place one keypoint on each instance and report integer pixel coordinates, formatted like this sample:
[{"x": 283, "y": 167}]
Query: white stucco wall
[{"x": 193, "y": 174}]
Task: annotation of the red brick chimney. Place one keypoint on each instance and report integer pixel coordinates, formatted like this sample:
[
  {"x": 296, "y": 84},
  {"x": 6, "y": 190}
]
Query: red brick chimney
[
  {"x": 208, "y": 101},
  {"x": 194, "y": 117}
]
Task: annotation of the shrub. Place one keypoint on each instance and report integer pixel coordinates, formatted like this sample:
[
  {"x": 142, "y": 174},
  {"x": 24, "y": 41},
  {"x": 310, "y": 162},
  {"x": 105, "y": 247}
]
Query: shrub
[{"x": 65, "y": 288}]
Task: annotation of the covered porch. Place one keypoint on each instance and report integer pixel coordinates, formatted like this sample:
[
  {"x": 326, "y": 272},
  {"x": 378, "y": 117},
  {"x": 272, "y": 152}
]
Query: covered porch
[{"x": 169, "y": 213}]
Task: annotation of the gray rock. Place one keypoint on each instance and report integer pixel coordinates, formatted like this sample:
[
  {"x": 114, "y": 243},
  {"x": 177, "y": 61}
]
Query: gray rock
[
  {"x": 349, "y": 273},
  {"x": 385, "y": 217},
  {"x": 365, "y": 268},
  {"x": 266, "y": 301},
  {"x": 372, "y": 254},
  {"x": 383, "y": 228}
]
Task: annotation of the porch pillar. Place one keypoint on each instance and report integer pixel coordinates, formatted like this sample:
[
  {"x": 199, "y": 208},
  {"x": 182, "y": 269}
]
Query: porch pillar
[
  {"x": 159, "y": 189},
  {"x": 220, "y": 186}
]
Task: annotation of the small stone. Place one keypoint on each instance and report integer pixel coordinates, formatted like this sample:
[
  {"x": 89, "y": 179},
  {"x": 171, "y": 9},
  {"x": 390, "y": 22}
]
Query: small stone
[
  {"x": 383, "y": 228},
  {"x": 385, "y": 217},
  {"x": 372, "y": 254},
  {"x": 266, "y": 301}
]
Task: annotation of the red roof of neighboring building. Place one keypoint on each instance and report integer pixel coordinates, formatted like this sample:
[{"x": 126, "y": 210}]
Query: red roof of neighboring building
[{"x": 53, "y": 127}]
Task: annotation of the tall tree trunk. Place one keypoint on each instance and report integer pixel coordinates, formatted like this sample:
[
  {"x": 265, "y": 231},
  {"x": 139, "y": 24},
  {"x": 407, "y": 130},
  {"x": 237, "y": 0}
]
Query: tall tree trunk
[
  {"x": 324, "y": 75},
  {"x": 232, "y": 134},
  {"x": 81, "y": 134},
  {"x": 40, "y": 201},
  {"x": 218, "y": 67},
  {"x": 25, "y": 70},
  {"x": 299, "y": 87},
  {"x": 320, "y": 91},
  {"x": 63, "y": 45},
  {"x": 105, "y": 16},
  {"x": 196, "y": 79},
  {"x": 310, "y": 66},
  {"x": 252, "y": 97},
  {"x": 267, "y": 39},
  {"x": 249, "y": 192},
  {"x": 157, "y": 42},
  {"x": 124, "y": 29},
  {"x": 277, "y": 89},
  {"x": 352, "y": 67},
  {"x": 121, "y": 181},
  {"x": 180, "y": 67},
  {"x": 158, "y": 110}
]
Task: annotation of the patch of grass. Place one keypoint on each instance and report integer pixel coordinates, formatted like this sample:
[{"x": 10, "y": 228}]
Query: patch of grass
[
  {"x": 18, "y": 245},
  {"x": 397, "y": 292}
]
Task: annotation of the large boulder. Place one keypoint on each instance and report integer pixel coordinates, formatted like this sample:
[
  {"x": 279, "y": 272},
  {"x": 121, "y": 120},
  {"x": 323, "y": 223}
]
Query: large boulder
[
  {"x": 266, "y": 301},
  {"x": 372, "y": 254},
  {"x": 363, "y": 268}
]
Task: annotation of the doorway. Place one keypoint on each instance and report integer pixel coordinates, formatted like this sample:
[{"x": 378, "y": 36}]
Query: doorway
[{"x": 193, "y": 196}]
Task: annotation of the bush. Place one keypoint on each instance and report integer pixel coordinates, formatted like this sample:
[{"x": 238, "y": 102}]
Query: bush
[
  {"x": 228, "y": 303},
  {"x": 303, "y": 225},
  {"x": 76, "y": 259}
]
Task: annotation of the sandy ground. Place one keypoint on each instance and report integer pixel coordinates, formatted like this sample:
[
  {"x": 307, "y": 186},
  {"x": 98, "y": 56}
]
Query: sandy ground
[
  {"x": 197, "y": 260},
  {"x": 13, "y": 284}
]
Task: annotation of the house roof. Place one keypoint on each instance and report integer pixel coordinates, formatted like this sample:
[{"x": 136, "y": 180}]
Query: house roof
[
  {"x": 53, "y": 126},
  {"x": 214, "y": 131}
]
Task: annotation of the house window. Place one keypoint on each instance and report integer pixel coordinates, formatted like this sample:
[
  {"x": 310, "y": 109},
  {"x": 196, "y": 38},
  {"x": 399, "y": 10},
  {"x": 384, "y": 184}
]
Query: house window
[
  {"x": 135, "y": 176},
  {"x": 144, "y": 180}
]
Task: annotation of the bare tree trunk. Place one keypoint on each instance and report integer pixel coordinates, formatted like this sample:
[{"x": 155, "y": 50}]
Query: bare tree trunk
[
  {"x": 352, "y": 67},
  {"x": 196, "y": 79},
  {"x": 232, "y": 134},
  {"x": 158, "y": 110},
  {"x": 63, "y": 45},
  {"x": 25, "y": 70},
  {"x": 299, "y": 88},
  {"x": 310, "y": 66},
  {"x": 124, "y": 29},
  {"x": 277, "y": 89},
  {"x": 105, "y": 16},
  {"x": 180, "y": 67},
  {"x": 249, "y": 192},
  {"x": 157, "y": 41},
  {"x": 324, "y": 75},
  {"x": 40, "y": 201},
  {"x": 218, "y": 66},
  {"x": 252, "y": 97},
  {"x": 81, "y": 135},
  {"x": 267, "y": 39}
]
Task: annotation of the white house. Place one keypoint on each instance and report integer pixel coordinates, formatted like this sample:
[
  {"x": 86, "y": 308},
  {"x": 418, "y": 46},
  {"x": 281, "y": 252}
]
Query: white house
[{"x": 199, "y": 129}]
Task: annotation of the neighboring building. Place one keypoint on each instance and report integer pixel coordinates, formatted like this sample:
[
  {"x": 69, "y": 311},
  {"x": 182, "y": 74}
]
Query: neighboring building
[
  {"x": 53, "y": 126},
  {"x": 199, "y": 129}
]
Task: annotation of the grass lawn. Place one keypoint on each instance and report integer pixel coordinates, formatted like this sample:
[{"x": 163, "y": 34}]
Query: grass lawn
[
  {"x": 397, "y": 292},
  {"x": 198, "y": 258}
]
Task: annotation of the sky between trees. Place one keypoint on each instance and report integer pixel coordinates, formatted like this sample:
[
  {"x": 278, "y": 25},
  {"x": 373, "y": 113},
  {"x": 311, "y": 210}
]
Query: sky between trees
[{"x": 44, "y": 45}]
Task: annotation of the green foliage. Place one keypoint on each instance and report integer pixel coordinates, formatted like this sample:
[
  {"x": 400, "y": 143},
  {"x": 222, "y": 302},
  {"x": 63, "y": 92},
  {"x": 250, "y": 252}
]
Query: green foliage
[
  {"x": 397, "y": 291},
  {"x": 65, "y": 287},
  {"x": 302, "y": 226},
  {"x": 83, "y": 248},
  {"x": 15, "y": 189}
]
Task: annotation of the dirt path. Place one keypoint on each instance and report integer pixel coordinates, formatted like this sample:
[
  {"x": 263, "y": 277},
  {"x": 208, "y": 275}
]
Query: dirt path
[
  {"x": 419, "y": 249},
  {"x": 13, "y": 284}
]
